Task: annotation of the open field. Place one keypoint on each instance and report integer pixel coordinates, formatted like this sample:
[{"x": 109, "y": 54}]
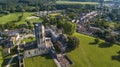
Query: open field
[
  {"x": 74, "y": 2},
  {"x": 10, "y": 17},
  {"x": 40, "y": 61},
  {"x": 94, "y": 55},
  {"x": 15, "y": 16}
]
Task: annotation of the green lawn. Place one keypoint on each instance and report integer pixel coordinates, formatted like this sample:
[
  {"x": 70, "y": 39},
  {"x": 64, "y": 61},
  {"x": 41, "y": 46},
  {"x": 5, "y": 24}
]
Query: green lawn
[
  {"x": 28, "y": 40},
  {"x": 74, "y": 2},
  {"x": 39, "y": 61},
  {"x": 93, "y": 55},
  {"x": 1, "y": 56},
  {"x": 10, "y": 17},
  {"x": 54, "y": 14},
  {"x": 25, "y": 15},
  {"x": 14, "y": 17}
]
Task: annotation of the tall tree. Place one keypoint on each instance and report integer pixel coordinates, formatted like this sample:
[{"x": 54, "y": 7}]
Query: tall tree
[{"x": 69, "y": 28}]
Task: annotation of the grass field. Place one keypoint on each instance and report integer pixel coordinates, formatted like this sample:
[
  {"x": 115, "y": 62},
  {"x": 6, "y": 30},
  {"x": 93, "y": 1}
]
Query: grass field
[
  {"x": 28, "y": 40},
  {"x": 10, "y": 17},
  {"x": 93, "y": 55},
  {"x": 74, "y": 2},
  {"x": 40, "y": 61},
  {"x": 14, "y": 17},
  {"x": 1, "y": 58}
]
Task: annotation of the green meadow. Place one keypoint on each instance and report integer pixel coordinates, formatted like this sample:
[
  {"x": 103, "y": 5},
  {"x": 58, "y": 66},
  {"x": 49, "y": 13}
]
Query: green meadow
[{"x": 94, "y": 55}]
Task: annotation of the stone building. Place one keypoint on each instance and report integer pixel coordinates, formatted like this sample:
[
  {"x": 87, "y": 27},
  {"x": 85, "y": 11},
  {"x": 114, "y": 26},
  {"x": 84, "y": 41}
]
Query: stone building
[{"x": 42, "y": 44}]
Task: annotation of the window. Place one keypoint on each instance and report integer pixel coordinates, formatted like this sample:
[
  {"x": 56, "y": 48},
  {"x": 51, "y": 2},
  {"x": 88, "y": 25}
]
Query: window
[
  {"x": 35, "y": 51},
  {"x": 28, "y": 52},
  {"x": 41, "y": 35}
]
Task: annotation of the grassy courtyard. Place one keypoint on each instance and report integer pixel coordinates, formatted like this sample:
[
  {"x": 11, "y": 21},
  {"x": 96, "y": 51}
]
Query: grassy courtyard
[
  {"x": 28, "y": 40},
  {"x": 74, "y": 2},
  {"x": 40, "y": 61},
  {"x": 93, "y": 55}
]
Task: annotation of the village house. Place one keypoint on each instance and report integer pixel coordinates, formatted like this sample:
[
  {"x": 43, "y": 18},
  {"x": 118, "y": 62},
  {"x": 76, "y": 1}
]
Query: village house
[
  {"x": 8, "y": 43},
  {"x": 94, "y": 29}
]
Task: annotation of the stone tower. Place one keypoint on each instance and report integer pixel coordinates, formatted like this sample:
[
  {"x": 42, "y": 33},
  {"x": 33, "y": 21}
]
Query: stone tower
[{"x": 40, "y": 35}]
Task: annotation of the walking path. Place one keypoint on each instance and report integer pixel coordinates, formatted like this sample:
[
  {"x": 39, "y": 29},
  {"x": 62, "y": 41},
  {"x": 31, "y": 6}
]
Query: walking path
[{"x": 8, "y": 65}]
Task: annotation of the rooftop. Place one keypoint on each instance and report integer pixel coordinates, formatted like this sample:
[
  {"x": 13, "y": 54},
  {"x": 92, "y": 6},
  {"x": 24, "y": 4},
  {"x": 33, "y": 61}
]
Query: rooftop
[
  {"x": 48, "y": 42},
  {"x": 30, "y": 46}
]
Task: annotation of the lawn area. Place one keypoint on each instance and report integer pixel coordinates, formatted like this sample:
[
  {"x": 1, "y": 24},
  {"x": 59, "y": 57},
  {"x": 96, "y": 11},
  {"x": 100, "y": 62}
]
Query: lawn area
[
  {"x": 1, "y": 56},
  {"x": 74, "y": 2},
  {"x": 93, "y": 55},
  {"x": 55, "y": 14},
  {"x": 39, "y": 61},
  {"x": 28, "y": 40},
  {"x": 10, "y": 17},
  {"x": 14, "y": 17}
]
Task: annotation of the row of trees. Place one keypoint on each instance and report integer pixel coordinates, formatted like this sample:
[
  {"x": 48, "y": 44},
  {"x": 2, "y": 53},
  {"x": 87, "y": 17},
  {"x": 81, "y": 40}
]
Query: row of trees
[
  {"x": 11, "y": 6},
  {"x": 114, "y": 15},
  {"x": 12, "y": 25}
]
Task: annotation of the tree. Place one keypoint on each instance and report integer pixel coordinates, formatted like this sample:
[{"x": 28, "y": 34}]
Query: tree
[
  {"x": 4, "y": 36},
  {"x": 111, "y": 39},
  {"x": 69, "y": 28},
  {"x": 73, "y": 42},
  {"x": 96, "y": 40}
]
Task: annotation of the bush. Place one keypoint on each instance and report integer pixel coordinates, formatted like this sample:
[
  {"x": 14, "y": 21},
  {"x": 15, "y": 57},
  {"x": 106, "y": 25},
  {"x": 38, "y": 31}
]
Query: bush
[
  {"x": 96, "y": 40},
  {"x": 73, "y": 42}
]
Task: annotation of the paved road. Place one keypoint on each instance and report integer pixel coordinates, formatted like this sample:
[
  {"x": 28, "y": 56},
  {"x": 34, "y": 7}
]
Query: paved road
[{"x": 8, "y": 65}]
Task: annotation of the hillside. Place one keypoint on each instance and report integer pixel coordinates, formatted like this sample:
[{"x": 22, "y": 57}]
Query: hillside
[{"x": 94, "y": 55}]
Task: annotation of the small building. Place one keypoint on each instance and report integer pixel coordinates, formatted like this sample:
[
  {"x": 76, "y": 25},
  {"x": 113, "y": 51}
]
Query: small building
[
  {"x": 94, "y": 29},
  {"x": 10, "y": 32},
  {"x": 7, "y": 45},
  {"x": 114, "y": 33},
  {"x": 14, "y": 38}
]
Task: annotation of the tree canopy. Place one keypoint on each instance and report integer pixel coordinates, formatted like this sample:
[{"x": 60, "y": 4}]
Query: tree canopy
[
  {"x": 73, "y": 42},
  {"x": 69, "y": 28}
]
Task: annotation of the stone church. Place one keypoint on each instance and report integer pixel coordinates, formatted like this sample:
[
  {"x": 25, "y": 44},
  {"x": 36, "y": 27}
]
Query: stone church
[{"x": 42, "y": 44}]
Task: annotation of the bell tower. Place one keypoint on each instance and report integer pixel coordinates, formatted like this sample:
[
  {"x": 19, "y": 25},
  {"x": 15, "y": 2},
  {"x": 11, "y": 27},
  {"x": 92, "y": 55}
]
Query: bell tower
[{"x": 40, "y": 34}]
